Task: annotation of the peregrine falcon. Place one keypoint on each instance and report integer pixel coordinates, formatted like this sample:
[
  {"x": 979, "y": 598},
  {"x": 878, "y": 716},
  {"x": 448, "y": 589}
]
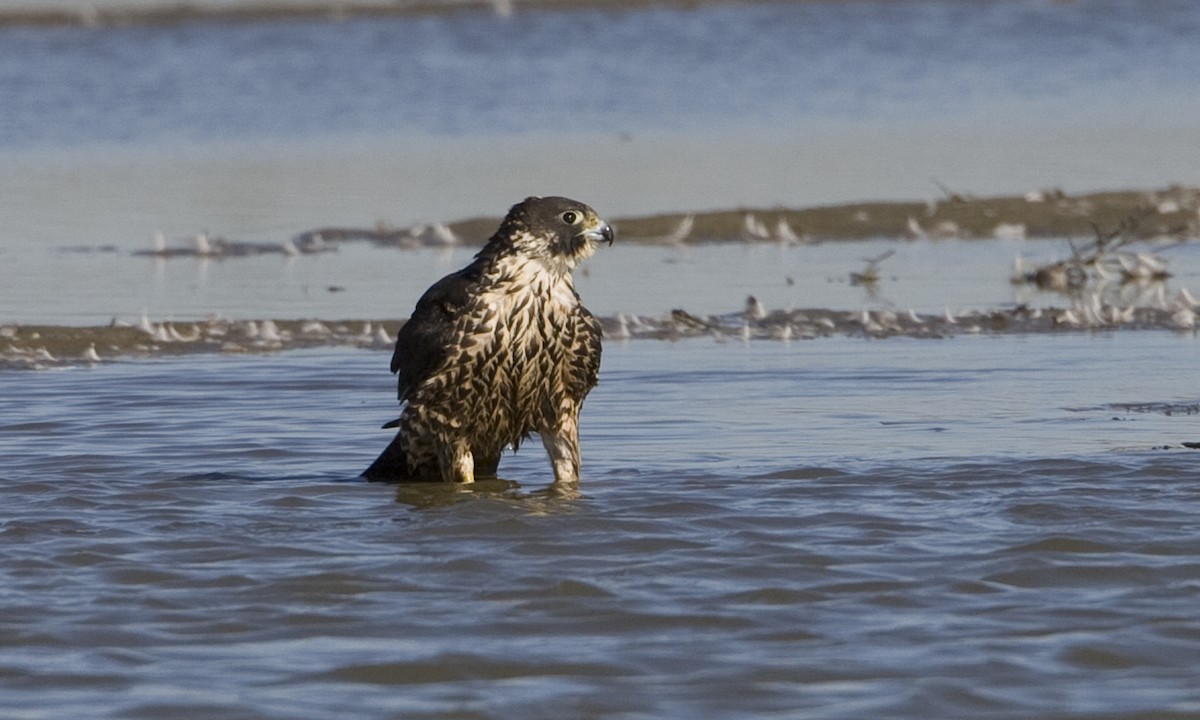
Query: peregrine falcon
[{"x": 499, "y": 350}]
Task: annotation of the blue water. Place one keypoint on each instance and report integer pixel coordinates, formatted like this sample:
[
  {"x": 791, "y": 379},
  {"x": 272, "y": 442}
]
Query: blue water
[
  {"x": 263, "y": 130},
  {"x": 979, "y": 527},
  {"x": 598, "y": 70},
  {"x": 843, "y": 528}
]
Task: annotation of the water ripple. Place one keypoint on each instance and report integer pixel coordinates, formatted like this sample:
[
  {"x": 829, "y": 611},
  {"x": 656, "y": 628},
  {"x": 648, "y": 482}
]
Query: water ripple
[{"x": 737, "y": 547}]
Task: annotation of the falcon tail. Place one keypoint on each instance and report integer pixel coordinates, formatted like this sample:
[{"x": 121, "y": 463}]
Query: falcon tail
[{"x": 390, "y": 466}]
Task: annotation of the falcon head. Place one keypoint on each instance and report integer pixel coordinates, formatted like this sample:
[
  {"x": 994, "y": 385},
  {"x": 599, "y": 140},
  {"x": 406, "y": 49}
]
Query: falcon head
[{"x": 556, "y": 231}]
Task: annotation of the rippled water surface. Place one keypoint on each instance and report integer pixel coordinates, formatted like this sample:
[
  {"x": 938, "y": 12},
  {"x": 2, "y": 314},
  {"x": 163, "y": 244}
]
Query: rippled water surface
[{"x": 976, "y": 527}]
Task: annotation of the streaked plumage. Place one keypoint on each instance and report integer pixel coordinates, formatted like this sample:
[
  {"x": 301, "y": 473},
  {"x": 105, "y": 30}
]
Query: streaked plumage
[{"x": 498, "y": 351}]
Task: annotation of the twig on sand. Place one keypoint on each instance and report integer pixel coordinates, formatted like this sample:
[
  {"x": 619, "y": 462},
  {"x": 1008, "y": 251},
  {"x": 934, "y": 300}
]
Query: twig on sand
[{"x": 869, "y": 277}]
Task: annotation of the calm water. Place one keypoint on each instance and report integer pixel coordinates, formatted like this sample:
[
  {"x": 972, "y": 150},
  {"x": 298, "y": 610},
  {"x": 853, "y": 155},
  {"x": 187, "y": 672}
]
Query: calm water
[
  {"x": 827, "y": 529},
  {"x": 260, "y": 131},
  {"x": 472, "y": 73}
]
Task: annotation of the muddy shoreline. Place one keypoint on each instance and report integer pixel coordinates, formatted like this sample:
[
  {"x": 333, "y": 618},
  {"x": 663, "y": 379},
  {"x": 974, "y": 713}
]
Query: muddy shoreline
[
  {"x": 1172, "y": 212},
  {"x": 49, "y": 346}
]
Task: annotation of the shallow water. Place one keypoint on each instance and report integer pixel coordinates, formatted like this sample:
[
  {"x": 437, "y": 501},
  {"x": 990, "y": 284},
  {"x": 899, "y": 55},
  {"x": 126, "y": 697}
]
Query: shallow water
[
  {"x": 977, "y": 527},
  {"x": 362, "y": 281}
]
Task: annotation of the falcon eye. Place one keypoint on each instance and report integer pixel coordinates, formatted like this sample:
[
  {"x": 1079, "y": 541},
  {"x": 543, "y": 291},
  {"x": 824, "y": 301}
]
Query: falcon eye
[{"x": 570, "y": 217}]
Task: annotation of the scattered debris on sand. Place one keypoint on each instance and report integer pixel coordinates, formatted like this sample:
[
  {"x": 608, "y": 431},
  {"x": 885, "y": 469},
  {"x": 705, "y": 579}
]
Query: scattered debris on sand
[
  {"x": 201, "y": 245},
  {"x": 1107, "y": 260},
  {"x": 43, "y": 346},
  {"x": 47, "y": 346},
  {"x": 1171, "y": 214},
  {"x": 869, "y": 277},
  {"x": 755, "y": 323}
]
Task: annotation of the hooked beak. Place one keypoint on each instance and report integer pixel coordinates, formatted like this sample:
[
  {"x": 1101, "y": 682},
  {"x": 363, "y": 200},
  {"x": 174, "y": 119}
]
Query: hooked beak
[{"x": 604, "y": 233}]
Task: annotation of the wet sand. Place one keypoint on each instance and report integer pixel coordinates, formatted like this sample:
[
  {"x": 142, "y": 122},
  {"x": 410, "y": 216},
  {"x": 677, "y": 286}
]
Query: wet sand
[
  {"x": 43, "y": 346},
  {"x": 48, "y": 346},
  {"x": 1172, "y": 212}
]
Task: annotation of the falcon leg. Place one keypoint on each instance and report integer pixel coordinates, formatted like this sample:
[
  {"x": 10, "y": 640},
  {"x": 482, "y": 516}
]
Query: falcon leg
[
  {"x": 563, "y": 447},
  {"x": 486, "y": 465},
  {"x": 457, "y": 464}
]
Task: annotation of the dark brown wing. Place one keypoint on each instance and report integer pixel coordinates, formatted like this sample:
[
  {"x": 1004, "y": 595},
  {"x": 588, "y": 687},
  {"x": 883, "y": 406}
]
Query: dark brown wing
[
  {"x": 425, "y": 341},
  {"x": 584, "y": 368}
]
